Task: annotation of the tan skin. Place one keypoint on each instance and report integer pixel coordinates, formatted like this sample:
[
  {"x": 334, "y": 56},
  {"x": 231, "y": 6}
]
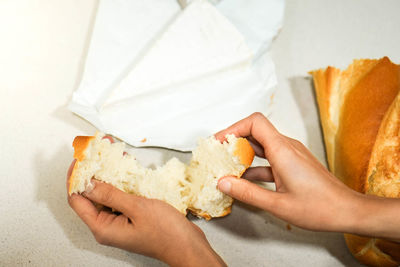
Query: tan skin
[
  {"x": 145, "y": 226},
  {"x": 303, "y": 186}
]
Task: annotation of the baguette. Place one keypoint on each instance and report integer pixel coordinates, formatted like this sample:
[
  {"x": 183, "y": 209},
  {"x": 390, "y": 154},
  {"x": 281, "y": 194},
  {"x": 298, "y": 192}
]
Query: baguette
[
  {"x": 190, "y": 187},
  {"x": 360, "y": 116}
]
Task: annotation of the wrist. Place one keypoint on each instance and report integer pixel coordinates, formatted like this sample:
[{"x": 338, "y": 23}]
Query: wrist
[
  {"x": 375, "y": 217},
  {"x": 356, "y": 214},
  {"x": 344, "y": 211},
  {"x": 192, "y": 254},
  {"x": 203, "y": 255}
]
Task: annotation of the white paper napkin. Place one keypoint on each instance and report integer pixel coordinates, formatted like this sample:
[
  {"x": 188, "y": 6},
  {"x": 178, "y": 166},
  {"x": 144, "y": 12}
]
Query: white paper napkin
[{"x": 176, "y": 116}]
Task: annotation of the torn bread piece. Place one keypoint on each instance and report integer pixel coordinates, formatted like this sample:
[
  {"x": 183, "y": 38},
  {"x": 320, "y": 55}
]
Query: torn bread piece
[{"x": 192, "y": 186}]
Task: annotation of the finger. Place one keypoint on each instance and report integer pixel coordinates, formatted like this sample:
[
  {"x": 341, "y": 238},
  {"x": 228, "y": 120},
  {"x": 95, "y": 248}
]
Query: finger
[
  {"x": 84, "y": 208},
  {"x": 112, "y": 197},
  {"x": 258, "y": 149},
  {"x": 113, "y": 230},
  {"x": 109, "y": 138},
  {"x": 257, "y": 126},
  {"x": 71, "y": 167},
  {"x": 248, "y": 192},
  {"x": 100, "y": 207},
  {"x": 260, "y": 173},
  {"x": 254, "y": 141}
]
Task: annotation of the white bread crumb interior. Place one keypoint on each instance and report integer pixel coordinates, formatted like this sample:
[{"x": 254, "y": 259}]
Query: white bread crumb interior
[{"x": 192, "y": 186}]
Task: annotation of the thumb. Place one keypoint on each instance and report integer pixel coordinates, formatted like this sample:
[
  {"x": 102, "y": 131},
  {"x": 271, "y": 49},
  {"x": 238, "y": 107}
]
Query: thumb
[
  {"x": 110, "y": 196},
  {"x": 247, "y": 192}
]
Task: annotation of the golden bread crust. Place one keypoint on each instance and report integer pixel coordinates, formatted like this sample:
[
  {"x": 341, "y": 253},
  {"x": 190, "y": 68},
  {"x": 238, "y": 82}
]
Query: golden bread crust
[
  {"x": 331, "y": 86},
  {"x": 80, "y": 144},
  {"x": 369, "y": 250},
  {"x": 361, "y": 114},
  {"x": 327, "y": 91},
  {"x": 352, "y": 106},
  {"x": 384, "y": 169},
  {"x": 244, "y": 152},
  {"x": 390, "y": 248},
  {"x": 207, "y": 216}
]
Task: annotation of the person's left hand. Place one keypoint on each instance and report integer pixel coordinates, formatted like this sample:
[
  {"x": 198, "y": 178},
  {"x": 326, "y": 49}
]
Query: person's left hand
[{"x": 145, "y": 226}]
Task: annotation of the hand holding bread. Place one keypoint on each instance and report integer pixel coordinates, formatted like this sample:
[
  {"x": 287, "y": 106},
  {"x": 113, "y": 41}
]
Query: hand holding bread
[
  {"x": 146, "y": 226},
  {"x": 307, "y": 194}
]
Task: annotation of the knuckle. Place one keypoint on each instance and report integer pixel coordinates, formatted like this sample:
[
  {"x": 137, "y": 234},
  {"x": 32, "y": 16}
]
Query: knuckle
[
  {"x": 100, "y": 236},
  {"x": 279, "y": 150},
  {"x": 107, "y": 196},
  {"x": 281, "y": 206},
  {"x": 257, "y": 115},
  {"x": 287, "y": 147}
]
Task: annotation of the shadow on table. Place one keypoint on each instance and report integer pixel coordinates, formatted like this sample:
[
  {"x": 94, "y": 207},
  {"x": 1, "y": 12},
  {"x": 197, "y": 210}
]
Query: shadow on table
[
  {"x": 303, "y": 93},
  {"x": 51, "y": 189},
  {"x": 252, "y": 223}
]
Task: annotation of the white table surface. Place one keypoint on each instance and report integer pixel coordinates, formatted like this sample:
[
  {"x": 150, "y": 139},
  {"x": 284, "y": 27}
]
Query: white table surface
[{"x": 42, "y": 50}]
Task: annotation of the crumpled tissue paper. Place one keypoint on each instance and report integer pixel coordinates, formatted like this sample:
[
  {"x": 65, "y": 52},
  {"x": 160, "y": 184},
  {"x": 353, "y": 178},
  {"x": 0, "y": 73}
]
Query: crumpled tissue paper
[{"x": 176, "y": 116}]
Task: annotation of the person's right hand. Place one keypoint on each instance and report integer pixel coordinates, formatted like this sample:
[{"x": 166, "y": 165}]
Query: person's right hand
[{"x": 307, "y": 194}]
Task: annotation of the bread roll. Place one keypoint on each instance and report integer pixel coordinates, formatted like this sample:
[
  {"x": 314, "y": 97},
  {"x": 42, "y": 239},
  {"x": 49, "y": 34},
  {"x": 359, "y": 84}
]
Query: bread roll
[
  {"x": 360, "y": 116},
  {"x": 186, "y": 187}
]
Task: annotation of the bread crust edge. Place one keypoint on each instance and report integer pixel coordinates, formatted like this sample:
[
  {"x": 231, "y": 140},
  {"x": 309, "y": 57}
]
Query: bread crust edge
[
  {"x": 244, "y": 151},
  {"x": 80, "y": 144}
]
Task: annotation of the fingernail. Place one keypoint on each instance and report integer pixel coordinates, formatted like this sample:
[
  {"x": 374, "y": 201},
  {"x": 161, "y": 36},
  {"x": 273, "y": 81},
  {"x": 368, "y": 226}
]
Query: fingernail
[
  {"x": 72, "y": 196},
  {"x": 224, "y": 185},
  {"x": 90, "y": 186}
]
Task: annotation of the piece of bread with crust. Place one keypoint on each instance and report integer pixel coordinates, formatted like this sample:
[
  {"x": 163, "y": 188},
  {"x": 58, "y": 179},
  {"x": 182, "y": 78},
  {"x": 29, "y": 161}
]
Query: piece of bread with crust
[
  {"x": 360, "y": 116},
  {"x": 186, "y": 187}
]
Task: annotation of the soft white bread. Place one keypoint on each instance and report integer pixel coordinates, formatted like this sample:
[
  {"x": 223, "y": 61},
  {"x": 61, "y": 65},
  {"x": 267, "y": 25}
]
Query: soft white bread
[
  {"x": 360, "y": 116},
  {"x": 186, "y": 187}
]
